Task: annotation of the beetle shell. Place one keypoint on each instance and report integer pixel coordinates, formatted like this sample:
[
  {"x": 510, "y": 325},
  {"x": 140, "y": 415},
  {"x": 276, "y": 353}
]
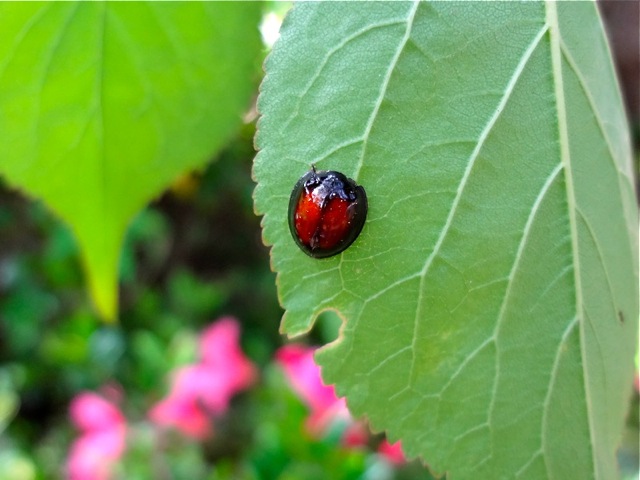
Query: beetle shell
[{"x": 327, "y": 211}]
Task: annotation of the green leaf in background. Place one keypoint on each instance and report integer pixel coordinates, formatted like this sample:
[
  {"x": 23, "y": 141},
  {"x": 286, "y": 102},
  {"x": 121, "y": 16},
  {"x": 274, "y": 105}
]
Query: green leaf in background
[
  {"x": 102, "y": 105},
  {"x": 490, "y": 302}
]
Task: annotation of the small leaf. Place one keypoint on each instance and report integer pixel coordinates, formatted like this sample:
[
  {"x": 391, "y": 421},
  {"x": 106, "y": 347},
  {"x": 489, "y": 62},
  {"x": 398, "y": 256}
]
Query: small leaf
[
  {"x": 104, "y": 104},
  {"x": 490, "y": 302}
]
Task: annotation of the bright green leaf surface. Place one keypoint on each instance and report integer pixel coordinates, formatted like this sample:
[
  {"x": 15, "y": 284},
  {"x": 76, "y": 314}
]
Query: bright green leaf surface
[
  {"x": 103, "y": 104},
  {"x": 490, "y": 302}
]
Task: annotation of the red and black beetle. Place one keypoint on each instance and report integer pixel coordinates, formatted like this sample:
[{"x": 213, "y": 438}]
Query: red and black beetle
[{"x": 327, "y": 211}]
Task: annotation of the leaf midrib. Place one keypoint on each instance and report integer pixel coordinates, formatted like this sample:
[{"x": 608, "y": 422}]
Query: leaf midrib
[
  {"x": 555, "y": 39},
  {"x": 102, "y": 157}
]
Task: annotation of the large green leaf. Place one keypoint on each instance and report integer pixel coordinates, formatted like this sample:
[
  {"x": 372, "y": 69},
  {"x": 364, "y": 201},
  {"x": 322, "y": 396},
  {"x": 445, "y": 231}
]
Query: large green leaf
[
  {"x": 490, "y": 304},
  {"x": 103, "y": 104}
]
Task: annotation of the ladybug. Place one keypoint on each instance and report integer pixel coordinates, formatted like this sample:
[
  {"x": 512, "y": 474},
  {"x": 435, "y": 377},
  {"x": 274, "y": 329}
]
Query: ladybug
[{"x": 327, "y": 211}]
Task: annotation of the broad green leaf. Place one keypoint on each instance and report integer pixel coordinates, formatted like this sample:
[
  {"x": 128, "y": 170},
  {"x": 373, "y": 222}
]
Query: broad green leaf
[
  {"x": 490, "y": 304},
  {"x": 103, "y": 104}
]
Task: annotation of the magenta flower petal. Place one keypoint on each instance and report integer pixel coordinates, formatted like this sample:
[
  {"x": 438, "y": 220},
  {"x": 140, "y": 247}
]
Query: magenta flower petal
[
  {"x": 89, "y": 411},
  {"x": 86, "y": 461},
  {"x": 356, "y": 436},
  {"x": 204, "y": 384},
  {"x": 304, "y": 376},
  {"x": 392, "y": 452},
  {"x": 93, "y": 455},
  {"x": 102, "y": 442},
  {"x": 184, "y": 414},
  {"x": 201, "y": 390},
  {"x": 219, "y": 341},
  {"x": 220, "y": 350}
]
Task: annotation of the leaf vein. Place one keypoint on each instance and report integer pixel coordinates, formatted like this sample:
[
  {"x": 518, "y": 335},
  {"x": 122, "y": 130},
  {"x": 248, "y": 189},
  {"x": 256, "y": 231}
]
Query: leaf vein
[
  {"x": 467, "y": 173},
  {"x": 18, "y": 39},
  {"x": 385, "y": 85},
  {"x": 596, "y": 113},
  {"x": 565, "y": 155},
  {"x": 602, "y": 262},
  {"x": 552, "y": 380},
  {"x": 514, "y": 268},
  {"x": 100, "y": 106},
  {"x": 332, "y": 51},
  {"x": 168, "y": 29},
  {"x": 526, "y": 465},
  {"x": 334, "y": 149},
  {"x": 387, "y": 360},
  {"x": 48, "y": 60},
  {"x": 467, "y": 359}
]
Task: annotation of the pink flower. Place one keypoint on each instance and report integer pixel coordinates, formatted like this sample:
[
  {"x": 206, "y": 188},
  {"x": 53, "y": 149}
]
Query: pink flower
[
  {"x": 89, "y": 411},
  {"x": 183, "y": 413},
  {"x": 102, "y": 439},
  {"x": 220, "y": 352},
  {"x": 356, "y": 436},
  {"x": 204, "y": 389},
  {"x": 392, "y": 452},
  {"x": 304, "y": 376}
]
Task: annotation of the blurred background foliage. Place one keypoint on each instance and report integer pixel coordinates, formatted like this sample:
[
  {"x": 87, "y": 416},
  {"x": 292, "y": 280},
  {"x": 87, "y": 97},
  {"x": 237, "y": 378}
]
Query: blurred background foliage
[{"x": 193, "y": 255}]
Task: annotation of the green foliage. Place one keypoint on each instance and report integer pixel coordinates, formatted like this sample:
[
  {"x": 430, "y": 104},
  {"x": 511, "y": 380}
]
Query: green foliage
[
  {"x": 8, "y": 401},
  {"x": 103, "y": 105},
  {"x": 263, "y": 435},
  {"x": 490, "y": 304},
  {"x": 275, "y": 446},
  {"x": 491, "y": 141}
]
